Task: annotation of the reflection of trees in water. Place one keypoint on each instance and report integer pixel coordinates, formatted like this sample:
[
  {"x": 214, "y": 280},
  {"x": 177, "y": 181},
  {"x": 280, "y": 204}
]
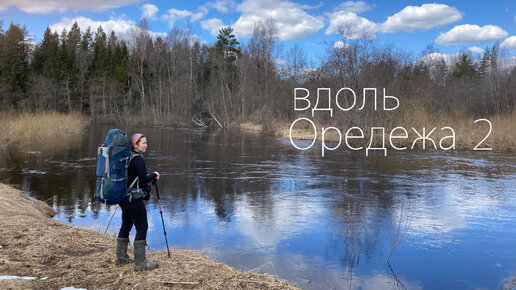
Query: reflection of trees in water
[
  {"x": 397, "y": 283},
  {"x": 204, "y": 164},
  {"x": 363, "y": 199},
  {"x": 216, "y": 171},
  {"x": 60, "y": 176}
]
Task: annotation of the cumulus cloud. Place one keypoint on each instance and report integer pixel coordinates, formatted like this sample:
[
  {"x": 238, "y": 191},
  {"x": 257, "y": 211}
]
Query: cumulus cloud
[
  {"x": 292, "y": 21},
  {"x": 212, "y": 25},
  {"x": 509, "y": 43},
  {"x": 410, "y": 18},
  {"x": 309, "y": 7},
  {"x": 222, "y": 6},
  {"x": 354, "y": 25},
  {"x": 476, "y": 49},
  {"x": 48, "y": 6},
  {"x": 355, "y": 7},
  {"x": 436, "y": 57},
  {"x": 149, "y": 11},
  {"x": 121, "y": 27},
  {"x": 197, "y": 16},
  {"x": 175, "y": 14},
  {"x": 340, "y": 45},
  {"x": 468, "y": 33},
  {"x": 424, "y": 17}
]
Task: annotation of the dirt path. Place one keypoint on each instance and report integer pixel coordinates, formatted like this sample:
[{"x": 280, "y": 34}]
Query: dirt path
[{"x": 58, "y": 255}]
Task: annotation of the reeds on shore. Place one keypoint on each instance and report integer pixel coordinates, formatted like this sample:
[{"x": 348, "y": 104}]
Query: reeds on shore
[
  {"x": 467, "y": 133},
  {"x": 47, "y": 128}
]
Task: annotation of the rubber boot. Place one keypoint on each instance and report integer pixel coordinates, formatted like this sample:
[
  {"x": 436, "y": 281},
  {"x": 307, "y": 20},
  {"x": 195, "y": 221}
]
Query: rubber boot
[
  {"x": 121, "y": 252},
  {"x": 140, "y": 261}
]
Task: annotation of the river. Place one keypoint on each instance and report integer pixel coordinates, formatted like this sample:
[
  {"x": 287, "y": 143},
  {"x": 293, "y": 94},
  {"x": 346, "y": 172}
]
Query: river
[{"x": 257, "y": 203}]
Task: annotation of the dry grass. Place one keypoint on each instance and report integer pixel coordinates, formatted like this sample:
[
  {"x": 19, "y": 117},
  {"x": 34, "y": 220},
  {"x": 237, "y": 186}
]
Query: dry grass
[
  {"x": 251, "y": 127},
  {"x": 468, "y": 133},
  {"x": 41, "y": 129},
  {"x": 35, "y": 245}
]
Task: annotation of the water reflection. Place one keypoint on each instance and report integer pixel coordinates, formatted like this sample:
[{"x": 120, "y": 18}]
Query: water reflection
[{"x": 327, "y": 222}]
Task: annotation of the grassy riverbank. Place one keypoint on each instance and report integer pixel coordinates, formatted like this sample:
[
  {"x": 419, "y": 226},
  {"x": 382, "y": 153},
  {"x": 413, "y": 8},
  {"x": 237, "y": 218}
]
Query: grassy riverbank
[
  {"x": 43, "y": 129},
  {"x": 468, "y": 133},
  {"x": 35, "y": 245}
]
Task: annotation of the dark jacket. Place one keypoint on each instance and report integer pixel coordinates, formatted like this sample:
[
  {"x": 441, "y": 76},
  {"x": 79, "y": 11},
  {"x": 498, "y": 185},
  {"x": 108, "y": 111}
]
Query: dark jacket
[{"x": 138, "y": 168}]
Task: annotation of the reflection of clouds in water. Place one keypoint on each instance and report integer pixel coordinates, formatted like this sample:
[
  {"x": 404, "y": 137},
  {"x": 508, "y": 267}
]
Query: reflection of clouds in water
[
  {"x": 380, "y": 281},
  {"x": 187, "y": 213},
  {"x": 310, "y": 272},
  {"x": 449, "y": 205},
  {"x": 84, "y": 219},
  {"x": 286, "y": 217},
  {"x": 290, "y": 208}
]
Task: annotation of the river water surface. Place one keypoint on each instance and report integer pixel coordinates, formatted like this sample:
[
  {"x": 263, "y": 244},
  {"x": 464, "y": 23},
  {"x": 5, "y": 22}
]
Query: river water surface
[{"x": 257, "y": 203}]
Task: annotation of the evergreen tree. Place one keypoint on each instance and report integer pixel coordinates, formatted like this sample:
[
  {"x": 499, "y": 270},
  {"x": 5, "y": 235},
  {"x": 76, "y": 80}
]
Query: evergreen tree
[
  {"x": 484, "y": 62},
  {"x": 14, "y": 63},
  {"x": 45, "y": 54},
  {"x": 227, "y": 51},
  {"x": 464, "y": 67}
]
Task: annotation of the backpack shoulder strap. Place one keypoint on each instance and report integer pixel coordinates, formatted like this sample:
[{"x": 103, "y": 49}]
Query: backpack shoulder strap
[
  {"x": 133, "y": 155},
  {"x": 128, "y": 188}
]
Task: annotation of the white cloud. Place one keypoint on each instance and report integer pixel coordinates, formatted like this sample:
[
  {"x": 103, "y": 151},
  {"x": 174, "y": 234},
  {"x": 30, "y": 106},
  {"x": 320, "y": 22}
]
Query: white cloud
[
  {"x": 212, "y": 25},
  {"x": 436, "y": 57},
  {"x": 354, "y": 25},
  {"x": 279, "y": 61},
  {"x": 509, "y": 43},
  {"x": 222, "y": 6},
  {"x": 149, "y": 11},
  {"x": 476, "y": 49},
  {"x": 355, "y": 7},
  {"x": 309, "y": 7},
  {"x": 48, "y": 6},
  {"x": 340, "y": 45},
  {"x": 121, "y": 27},
  {"x": 174, "y": 14},
  {"x": 424, "y": 17},
  {"x": 468, "y": 33},
  {"x": 291, "y": 20},
  {"x": 197, "y": 16},
  {"x": 515, "y": 18},
  {"x": 410, "y": 18}
]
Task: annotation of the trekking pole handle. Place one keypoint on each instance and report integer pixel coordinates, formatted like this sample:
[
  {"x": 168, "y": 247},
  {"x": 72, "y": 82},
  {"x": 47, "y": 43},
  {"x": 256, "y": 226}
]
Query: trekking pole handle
[{"x": 155, "y": 183}]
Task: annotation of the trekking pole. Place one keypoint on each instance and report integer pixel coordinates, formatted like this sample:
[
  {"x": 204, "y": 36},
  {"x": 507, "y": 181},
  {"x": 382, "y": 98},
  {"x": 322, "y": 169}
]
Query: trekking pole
[
  {"x": 161, "y": 213},
  {"x": 110, "y": 220}
]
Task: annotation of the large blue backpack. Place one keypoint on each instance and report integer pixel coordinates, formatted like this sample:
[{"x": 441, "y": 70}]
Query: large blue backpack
[{"x": 113, "y": 158}]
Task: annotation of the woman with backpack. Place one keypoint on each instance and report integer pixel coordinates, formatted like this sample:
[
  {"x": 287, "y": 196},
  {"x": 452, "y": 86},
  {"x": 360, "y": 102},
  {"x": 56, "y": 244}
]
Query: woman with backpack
[{"x": 133, "y": 208}]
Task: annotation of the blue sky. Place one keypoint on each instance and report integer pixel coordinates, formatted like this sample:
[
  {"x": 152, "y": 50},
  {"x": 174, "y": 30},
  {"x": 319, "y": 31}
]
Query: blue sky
[{"x": 450, "y": 26}]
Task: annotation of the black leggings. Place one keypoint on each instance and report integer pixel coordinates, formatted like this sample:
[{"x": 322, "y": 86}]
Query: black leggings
[{"x": 133, "y": 212}]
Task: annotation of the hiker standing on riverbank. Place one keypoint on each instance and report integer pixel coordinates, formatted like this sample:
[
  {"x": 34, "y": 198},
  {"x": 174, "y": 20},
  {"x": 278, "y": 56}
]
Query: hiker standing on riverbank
[{"x": 133, "y": 208}]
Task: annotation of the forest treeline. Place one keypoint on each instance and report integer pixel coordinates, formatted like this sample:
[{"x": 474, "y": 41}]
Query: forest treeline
[{"x": 178, "y": 78}]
